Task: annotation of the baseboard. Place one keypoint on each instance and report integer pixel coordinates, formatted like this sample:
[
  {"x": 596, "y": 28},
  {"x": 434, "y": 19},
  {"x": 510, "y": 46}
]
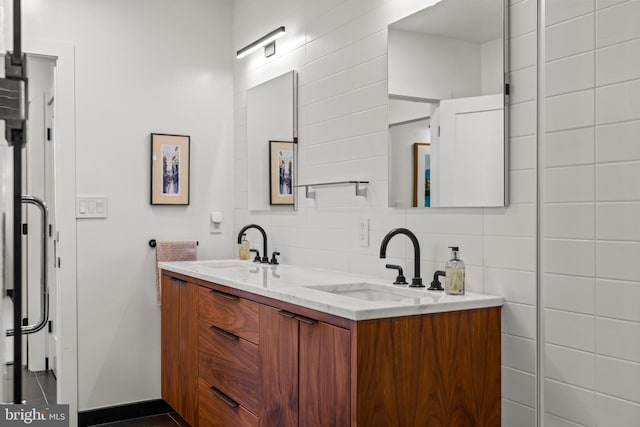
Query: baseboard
[{"x": 123, "y": 412}]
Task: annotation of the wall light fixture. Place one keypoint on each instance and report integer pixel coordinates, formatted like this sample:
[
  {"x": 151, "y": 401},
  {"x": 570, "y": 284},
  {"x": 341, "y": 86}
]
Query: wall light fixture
[{"x": 268, "y": 40}]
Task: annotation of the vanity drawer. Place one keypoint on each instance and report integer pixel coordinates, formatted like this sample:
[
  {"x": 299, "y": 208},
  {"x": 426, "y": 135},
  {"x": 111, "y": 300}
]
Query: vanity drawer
[
  {"x": 230, "y": 313},
  {"x": 218, "y": 410},
  {"x": 230, "y": 364}
]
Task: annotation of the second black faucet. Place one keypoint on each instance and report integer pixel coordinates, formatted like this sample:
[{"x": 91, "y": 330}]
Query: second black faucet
[{"x": 265, "y": 258}]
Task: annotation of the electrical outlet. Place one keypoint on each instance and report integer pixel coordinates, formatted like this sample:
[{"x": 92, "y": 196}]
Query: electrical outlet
[{"x": 363, "y": 232}]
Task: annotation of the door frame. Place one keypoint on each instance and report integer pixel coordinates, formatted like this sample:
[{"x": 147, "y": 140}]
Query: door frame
[{"x": 65, "y": 173}]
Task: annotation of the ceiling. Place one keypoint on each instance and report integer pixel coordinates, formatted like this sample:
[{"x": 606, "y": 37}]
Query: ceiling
[{"x": 476, "y": 21}]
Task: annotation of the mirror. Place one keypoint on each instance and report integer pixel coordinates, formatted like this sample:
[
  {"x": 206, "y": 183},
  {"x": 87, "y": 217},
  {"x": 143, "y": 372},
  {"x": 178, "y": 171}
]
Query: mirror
[
  {"x": 272, "y": 121},
  {"x": 447, "y": 115}
]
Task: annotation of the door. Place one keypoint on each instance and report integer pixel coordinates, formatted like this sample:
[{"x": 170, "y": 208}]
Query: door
[
  {"x": 39, "y": 179},
  {"x": 51, "y": 345},
  {"x": 468, "y": 152},
  {"x": 6, "y": 263}
]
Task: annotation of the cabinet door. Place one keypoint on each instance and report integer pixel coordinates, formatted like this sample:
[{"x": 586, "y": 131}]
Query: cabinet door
[
  {"x": 179, "y": 346},
  {"x": 188, "y": 363},
  {"x": 325, "y": 375},
  {"x": 279, "y": 359},
  {"x": 169, "y": 347}
]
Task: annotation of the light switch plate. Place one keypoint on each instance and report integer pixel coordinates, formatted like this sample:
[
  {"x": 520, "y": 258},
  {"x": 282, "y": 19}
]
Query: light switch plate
[{"x": 92, "y": 207}]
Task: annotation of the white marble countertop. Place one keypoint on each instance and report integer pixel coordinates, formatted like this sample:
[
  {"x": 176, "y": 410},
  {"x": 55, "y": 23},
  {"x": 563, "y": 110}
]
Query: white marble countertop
[{"x": 351, "y": 296}]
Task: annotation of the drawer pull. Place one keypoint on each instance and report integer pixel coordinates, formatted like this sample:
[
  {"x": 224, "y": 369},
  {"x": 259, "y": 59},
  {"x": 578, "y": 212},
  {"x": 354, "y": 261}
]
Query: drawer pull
[
  {"x": 286, "y": 314},
  {"x": 305, "y": 320},
  {"x": 178, "y": 281},
  {"x": 226, "y": 399},
  {"x": 224, "y": 333},
  {"x": 224, "y": 295}
]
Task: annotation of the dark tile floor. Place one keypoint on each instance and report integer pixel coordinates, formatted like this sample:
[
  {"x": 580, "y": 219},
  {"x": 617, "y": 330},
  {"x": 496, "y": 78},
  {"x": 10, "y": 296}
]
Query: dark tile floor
[
  {"x": 40, "y": 388},
  {"x": 37, "y": 387}
]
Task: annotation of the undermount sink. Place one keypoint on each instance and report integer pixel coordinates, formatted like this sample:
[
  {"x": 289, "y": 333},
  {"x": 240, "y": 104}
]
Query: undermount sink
[
  {"x": 226, "y": 264},
  {"x": 371, "y": 291}
]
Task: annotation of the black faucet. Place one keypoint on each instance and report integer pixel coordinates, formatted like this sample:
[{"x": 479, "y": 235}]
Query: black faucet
[
  {"x": 416, "y": 282},
  {"x": 265, "y": 258}
]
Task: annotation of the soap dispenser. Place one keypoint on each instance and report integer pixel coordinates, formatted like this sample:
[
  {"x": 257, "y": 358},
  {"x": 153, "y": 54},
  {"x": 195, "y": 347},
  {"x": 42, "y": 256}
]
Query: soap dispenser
[
  {"x": 454, "y": 274},
  {"x": 245, "y": 248}
]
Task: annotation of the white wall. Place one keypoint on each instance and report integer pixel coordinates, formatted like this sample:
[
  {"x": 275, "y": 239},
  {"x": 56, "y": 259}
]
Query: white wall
[
  {"x": 591, "y": 208},
  {"x": 491, "y": 67},
  {"x": 433, "y": 67},
  {"x": 140, "y": 67},
  {"x": 339, "y": 48}
]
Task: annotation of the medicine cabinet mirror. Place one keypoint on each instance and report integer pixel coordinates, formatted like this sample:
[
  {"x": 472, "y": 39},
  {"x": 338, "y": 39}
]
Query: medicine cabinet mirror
[
  {"x": 272, "y": 115},
  {"x": 447, "y": 115}
]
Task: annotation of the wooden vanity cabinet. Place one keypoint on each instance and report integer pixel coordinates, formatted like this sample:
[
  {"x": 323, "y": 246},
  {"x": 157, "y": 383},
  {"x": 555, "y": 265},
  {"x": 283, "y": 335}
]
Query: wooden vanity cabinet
[
  {"x": 266, "y": 363},
  {"x": 178, "y": 348}
]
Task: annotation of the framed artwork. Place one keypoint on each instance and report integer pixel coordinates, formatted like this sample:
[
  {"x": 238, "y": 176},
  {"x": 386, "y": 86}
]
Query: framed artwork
[
  {"x": 421, "y": 174},
  {"x": 169, "y": 169},
  {"x": 281, "y": 172}
]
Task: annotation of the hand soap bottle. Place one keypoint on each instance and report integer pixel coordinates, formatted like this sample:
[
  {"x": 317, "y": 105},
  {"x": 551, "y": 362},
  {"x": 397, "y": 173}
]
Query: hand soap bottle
[
  {"x": 454, "y": 274},
  {"x": 245, "y": 248}
]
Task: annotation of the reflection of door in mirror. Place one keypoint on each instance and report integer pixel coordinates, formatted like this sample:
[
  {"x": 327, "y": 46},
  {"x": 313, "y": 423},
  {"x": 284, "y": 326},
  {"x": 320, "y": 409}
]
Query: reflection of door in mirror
[
  {"x": 271, "y": 116},
  {"x": 446, "y": 71}
]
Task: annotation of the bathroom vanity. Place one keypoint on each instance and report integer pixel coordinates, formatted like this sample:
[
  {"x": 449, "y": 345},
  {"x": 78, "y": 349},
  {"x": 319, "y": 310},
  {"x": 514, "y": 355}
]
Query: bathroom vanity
[{"x": 246, "y": 344}]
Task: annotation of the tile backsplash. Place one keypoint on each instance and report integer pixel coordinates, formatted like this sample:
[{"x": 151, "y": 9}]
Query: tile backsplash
[{"x": 338, "y": 48}]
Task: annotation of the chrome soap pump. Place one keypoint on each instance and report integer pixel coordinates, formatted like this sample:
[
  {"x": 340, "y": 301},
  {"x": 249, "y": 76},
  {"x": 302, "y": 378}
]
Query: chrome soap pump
[{"x": 454, "y": 274}]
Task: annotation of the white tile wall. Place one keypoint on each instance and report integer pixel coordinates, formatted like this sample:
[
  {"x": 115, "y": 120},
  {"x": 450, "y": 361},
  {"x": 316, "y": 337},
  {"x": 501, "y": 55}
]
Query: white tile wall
[
  {"x": 614, "y": 412},
  {"x": 341, "y": 59},
  {"x": 570, "y": 74},
  {"x": 618, "y": 378},
  {"x": 563, "y": 10},
  {"x": 569, "y": 403},
  {"x": 560, "y": 292},
  {"x": 591, "y": 240},
  {"x": 570, "y": 221},
  {"x": 570, "y": 366},
  {"x": 570, "y": 148},
  {"x": 568, "y": 329},
  {"x": 619, "y": 300},
  {"x": 569, "y": 38},
  {"x": 618, "y": 142}
]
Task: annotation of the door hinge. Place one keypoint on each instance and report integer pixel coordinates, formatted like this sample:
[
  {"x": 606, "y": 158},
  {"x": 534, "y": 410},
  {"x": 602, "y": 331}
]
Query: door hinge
[
  {"x": 25, "y": 321},
  {"x": 25, "y": 229},
  {"x": 59, "y": 262},
  {"x": 46, "y": 363},
  {"x": 50, "y": 325},
  {"x": 507, "y": 89},
  {"x": 48, "y": 134},
  {"x": 50, "y": 230}
]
